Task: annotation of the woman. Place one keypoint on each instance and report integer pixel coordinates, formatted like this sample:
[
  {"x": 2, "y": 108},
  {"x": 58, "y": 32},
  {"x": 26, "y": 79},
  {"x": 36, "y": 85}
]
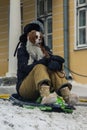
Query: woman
[{"x": 43, "y": 78}]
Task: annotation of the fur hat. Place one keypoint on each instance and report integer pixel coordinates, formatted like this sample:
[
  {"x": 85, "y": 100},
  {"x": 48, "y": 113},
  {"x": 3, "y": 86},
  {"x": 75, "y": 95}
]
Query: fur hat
[{"x": 34, "y": 25}]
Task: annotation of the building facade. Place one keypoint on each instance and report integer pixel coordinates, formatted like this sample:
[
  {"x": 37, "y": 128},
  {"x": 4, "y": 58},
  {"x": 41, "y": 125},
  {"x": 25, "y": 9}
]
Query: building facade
[{"x": 65, "y": 31}]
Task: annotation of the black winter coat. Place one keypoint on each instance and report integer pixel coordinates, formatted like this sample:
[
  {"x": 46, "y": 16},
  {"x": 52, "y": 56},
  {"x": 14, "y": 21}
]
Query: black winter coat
[
  {"x": 22, "y": 68},
  {"x": 54, "y": 63}
]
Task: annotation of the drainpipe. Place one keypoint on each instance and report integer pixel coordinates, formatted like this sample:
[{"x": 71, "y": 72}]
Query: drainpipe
[{"x": 66, "y": 36}]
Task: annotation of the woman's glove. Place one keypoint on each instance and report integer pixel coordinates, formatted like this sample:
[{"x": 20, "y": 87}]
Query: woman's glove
[{"x": 56, "y": 63}]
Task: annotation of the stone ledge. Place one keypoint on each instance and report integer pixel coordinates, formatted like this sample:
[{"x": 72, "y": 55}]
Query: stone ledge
[
  {"x": 8, "y": 85},
  {"x": 8, "y": 81}
]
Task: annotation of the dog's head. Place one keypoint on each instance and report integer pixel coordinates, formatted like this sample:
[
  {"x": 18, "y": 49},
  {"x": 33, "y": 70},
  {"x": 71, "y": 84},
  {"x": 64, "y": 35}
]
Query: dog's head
[{"x": 35, "y": 37}]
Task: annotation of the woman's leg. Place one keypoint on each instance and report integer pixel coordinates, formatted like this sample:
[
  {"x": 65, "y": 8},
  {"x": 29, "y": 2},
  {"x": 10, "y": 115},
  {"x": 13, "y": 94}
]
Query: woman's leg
[
  {"x": 62, "y": 87},
  {"x": 57, "y": 79},
  {"x": 29, "y": 89}
]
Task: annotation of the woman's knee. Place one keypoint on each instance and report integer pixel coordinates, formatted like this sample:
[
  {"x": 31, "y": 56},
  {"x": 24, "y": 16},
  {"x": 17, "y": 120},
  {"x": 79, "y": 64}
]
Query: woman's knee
[
  {"x": 40, "y": 66},
  {"x": 40, "y": 69}
]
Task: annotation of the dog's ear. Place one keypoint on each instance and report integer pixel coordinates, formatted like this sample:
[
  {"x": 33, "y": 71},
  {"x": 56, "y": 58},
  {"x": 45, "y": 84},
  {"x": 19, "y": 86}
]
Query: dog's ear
[{"x": 32, "y": 36}]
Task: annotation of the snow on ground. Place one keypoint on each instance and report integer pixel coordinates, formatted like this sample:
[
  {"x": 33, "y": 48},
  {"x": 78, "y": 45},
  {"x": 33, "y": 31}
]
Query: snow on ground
[{"x": 18, "y": 118}]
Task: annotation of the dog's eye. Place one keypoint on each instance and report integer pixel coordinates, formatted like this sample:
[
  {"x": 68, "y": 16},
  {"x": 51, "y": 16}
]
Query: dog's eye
[
  {"x": 36, "y": 37},
  {"x": 40, "y": 37}
]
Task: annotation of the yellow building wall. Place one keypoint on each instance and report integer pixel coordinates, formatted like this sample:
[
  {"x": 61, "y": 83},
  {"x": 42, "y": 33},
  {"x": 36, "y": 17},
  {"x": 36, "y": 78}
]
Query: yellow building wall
[
  {"x": 4, "y": 15},
  {"x": 77, "y": 58},
  {"x": 57, "y": 11},
  {"x": 28, "y": 16},
  {"x": 28, "y": 11}
]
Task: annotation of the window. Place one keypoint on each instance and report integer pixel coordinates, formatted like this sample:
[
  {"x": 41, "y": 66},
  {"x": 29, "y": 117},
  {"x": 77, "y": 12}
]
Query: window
[
  {"x": 81, "y": 1},
  {"x": 81, "y": 23},
  {"x": 44, "y": 12}
]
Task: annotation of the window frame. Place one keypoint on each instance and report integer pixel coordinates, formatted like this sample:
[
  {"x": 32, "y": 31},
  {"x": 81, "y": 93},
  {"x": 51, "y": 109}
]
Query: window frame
[{"x": 45, "y": 18}]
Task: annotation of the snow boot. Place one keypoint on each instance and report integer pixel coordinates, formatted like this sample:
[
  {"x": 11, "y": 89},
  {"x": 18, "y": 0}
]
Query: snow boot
[
  {"x": 47, "y": 97},
  {"x": 65, "y": 92}
]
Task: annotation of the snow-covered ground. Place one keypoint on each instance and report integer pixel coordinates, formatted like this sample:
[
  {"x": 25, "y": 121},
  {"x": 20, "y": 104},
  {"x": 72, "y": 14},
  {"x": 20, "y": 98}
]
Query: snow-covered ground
[{"x": 18, "y": 118}]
